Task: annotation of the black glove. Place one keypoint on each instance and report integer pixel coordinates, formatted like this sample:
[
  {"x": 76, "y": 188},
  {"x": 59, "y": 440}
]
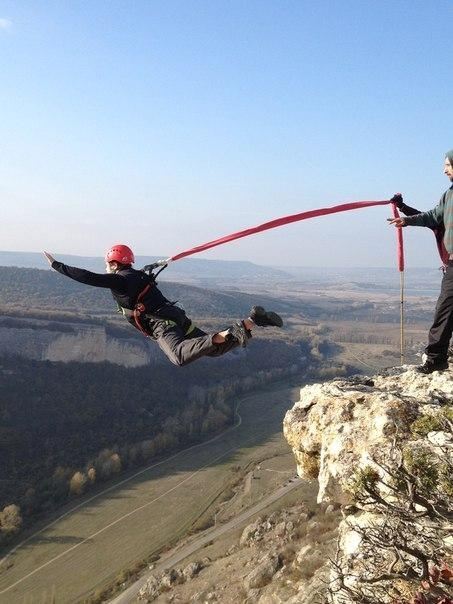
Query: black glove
[{"x": 397, "y": 199}]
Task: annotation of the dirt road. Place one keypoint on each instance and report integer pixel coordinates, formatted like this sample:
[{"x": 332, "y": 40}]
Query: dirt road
[{"x": 172, "y": 559}]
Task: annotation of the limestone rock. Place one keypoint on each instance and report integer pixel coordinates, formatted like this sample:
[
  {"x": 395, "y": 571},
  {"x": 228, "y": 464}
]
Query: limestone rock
[
  {"x": 346, "y": 425},
  {"x": 303, "y": 553},
  {"x": 87, "y": 344},
  {"x": 263, "y": 573},
  {"x": 251, "y": 532},
  {"x": 440, "y": 439},
  {"x": 280, "y": 529},
  {"x": 150, "y": 590},
  {"x": 338, "y": 427},
  {"x": 171, "y": 577},
  {"x": 191, "y": 570}
]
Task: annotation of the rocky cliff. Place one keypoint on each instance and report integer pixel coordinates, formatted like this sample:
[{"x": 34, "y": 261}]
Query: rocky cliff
[
  {"x": 381, "y": 447},
  {"x": 89, "y": 344}
]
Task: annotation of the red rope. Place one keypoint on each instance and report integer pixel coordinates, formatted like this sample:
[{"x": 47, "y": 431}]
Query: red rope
[
  {"x": 280, "y": 222},
  {"x": 399, "y": 238}
]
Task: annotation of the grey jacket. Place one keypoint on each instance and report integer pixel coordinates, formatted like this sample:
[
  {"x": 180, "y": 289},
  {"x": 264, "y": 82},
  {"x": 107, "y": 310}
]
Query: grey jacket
[{"x": 442, "y": 214}]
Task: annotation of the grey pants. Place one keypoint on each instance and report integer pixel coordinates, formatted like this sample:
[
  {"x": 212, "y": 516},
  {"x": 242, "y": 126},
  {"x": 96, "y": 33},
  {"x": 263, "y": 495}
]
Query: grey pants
[{"x": 182, "y": 348}]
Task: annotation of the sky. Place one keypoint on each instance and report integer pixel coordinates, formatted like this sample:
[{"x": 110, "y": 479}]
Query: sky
[{"x": 166, "y": 124}]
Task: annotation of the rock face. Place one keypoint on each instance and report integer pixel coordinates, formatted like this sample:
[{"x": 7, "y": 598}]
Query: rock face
[
  {"x": 382, "y": 448},
  {"x": 93, "y": 346},
  {"x": 86, "y": 344},
  {"x": 262, "y": 574},
  {"x": 339, "y": 426}
]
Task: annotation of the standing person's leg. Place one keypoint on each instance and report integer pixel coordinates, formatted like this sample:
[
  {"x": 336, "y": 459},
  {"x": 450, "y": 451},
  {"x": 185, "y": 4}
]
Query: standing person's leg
[{"x": 442, "y": 327}]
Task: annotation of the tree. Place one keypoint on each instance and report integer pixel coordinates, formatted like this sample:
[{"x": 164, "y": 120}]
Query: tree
[
  {"x": 107, "y": 463},
  {"x": 77, "y": 483},
  {"x": 91, "y": 475},
  {"x": 10, "y": 520},
  {"x": 405, "y": 556}
]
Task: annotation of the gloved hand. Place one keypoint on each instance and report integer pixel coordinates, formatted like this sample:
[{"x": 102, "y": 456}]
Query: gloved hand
[{"x": 397, "y": 199}]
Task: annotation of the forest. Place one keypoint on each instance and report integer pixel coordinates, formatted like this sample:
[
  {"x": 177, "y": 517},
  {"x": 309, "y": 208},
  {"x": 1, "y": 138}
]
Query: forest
[{"x": 65, "y": 427}]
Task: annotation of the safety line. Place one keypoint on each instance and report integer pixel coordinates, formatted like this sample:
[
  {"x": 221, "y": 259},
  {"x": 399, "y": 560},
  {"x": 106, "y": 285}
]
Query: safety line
[{"x": 272, "y": 224}]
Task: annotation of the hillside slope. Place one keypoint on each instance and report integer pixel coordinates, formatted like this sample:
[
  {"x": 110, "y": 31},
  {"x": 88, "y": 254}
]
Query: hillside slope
[
  {"x": 188, "y": 270},
  {"x": 41, "y": 289},
  {"x": 381, "y": 449}
]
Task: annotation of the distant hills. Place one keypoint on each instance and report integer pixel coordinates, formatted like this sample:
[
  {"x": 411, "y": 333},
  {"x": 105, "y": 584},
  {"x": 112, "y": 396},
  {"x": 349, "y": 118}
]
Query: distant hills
[
  {"x": 188, "y": 270},
  {"x": 243, "y": 275},
  {"x": 29, "y": 289}
]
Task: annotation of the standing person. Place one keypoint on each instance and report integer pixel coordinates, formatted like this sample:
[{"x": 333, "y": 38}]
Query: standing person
[
  {"x": 146, "y": 308},
  {"x": 442, "y": 328}
]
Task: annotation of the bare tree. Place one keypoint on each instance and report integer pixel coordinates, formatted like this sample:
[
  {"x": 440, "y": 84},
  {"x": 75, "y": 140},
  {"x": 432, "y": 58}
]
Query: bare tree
[{"x": 405, "y": 553}]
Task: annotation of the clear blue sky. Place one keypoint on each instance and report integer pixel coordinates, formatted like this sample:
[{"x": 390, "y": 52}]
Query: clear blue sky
[{"x": 164, "y": 124}]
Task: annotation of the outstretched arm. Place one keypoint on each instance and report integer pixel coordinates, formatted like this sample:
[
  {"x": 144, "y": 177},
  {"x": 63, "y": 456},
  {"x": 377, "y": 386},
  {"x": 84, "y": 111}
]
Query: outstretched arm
[
  {"x": 438, "y": 230},
  {"x": 108, "y": 280},
  {"x": 397, "y": 199},
  {"x": 430, "y": 219}
]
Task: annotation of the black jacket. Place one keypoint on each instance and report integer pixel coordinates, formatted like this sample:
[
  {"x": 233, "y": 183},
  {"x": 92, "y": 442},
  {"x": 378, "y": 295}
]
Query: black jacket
[{"x": 125, "y": 285}]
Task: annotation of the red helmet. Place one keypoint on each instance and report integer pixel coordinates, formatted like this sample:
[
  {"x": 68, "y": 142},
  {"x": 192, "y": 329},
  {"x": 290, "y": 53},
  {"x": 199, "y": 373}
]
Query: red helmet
[{"x": 120, "y": 253}]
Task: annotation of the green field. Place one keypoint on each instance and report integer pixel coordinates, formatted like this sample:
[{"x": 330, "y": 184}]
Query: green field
[{"x": 87, "y": 549}]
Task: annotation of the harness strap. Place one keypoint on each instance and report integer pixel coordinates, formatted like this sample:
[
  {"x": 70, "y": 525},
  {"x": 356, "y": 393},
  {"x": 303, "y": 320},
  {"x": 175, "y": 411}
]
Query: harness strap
[
  {"x": 139, "y": 308},
  {"x": 138, "y": 312},
  {"x": 191, "y": 328}
]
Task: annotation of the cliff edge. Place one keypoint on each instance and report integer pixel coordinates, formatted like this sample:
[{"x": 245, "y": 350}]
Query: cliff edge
[
  {"x": 378, "y": 450},
  {"x": 381, "y": 447}
]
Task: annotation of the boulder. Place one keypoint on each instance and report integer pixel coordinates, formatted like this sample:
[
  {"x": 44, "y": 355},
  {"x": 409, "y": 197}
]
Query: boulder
[{"x": 263, "y": 573}]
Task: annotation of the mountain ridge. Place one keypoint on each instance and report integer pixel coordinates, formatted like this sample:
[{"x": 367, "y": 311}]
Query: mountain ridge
[{"x": 184, "y": 269}]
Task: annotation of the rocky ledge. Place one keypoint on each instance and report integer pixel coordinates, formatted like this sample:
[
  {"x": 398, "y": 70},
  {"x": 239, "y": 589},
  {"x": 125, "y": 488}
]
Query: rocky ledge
[{"x": 382, "y": 448}]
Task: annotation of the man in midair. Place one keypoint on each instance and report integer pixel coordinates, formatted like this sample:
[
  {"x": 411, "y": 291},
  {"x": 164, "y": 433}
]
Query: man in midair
[{"x": 146, "y": 308}]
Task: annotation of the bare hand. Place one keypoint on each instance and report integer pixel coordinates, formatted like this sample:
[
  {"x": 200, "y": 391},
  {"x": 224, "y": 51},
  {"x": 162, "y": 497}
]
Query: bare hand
[
  {"x": 49, "y": 257},
  {"x": 398, "y": 222}
]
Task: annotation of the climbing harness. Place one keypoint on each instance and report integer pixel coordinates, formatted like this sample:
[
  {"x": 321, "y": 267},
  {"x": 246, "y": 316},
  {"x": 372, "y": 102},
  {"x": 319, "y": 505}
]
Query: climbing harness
[
  {"x": 140, "y": 308},
  {"x": 139, "y": 312}
]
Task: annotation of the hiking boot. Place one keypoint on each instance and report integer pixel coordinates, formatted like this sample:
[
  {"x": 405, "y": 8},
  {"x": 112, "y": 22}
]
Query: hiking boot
[
  {"x": 239, "y": 333},
  {"x": 429, "y": 367},
  {"x": 264, "y": 318}
]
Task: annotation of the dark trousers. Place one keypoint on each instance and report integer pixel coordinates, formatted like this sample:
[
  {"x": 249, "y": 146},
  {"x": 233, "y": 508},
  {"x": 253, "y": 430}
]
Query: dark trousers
[
  {"x": 442, "y": 327},
  {"x": 182, "y": 348}
]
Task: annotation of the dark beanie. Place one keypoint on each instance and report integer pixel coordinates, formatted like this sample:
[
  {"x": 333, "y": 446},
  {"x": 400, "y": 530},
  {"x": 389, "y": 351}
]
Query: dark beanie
[{"x": 449, "y": 154}]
